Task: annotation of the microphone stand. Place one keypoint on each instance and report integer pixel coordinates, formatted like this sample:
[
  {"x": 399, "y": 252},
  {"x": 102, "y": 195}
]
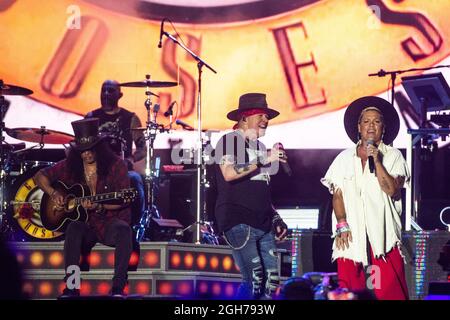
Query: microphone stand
[
  {"x": 411, "y": 194},
  {"x": 394, "y": 74},
  {"x": 200, "y": 164}
]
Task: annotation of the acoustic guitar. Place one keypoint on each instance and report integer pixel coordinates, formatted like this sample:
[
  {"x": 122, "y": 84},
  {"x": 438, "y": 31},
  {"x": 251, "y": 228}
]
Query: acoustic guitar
[{"x": 55, "y": 219}]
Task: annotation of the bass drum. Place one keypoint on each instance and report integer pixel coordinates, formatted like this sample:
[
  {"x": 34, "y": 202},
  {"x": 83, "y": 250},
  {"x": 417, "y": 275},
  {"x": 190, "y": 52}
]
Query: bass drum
[{"x": 25, "y": 207}]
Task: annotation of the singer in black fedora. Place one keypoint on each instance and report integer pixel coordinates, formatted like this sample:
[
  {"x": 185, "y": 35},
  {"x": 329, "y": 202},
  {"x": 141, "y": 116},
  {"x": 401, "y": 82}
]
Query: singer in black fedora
[
  {"x": 244, "y": 212},
  {"x": 250, "y": 101},
  {"x": 366, "y": 201}
]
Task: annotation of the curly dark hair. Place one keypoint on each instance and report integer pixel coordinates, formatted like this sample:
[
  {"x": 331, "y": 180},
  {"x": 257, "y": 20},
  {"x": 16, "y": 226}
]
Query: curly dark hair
[{"x": 105, "y": 157}]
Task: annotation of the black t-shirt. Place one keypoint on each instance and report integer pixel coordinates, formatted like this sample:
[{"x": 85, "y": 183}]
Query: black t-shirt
[
  {"x": 117, "y": 127},
  {"x": 245, "y": 200}
]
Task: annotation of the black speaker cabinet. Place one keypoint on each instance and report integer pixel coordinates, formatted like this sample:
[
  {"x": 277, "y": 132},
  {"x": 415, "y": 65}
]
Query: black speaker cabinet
[{"x": 311, "y": 252}]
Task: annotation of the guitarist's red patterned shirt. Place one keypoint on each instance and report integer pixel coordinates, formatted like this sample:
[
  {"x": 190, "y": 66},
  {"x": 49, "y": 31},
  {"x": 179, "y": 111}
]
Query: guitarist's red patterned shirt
[{"x": 116, "y": 180}]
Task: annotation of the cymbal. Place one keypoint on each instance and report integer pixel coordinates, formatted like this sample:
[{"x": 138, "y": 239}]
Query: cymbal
[
  {"x": 40, "y": 135},
  {"x": 149, "y": 83},
  {"x": 10, "y": 90}
]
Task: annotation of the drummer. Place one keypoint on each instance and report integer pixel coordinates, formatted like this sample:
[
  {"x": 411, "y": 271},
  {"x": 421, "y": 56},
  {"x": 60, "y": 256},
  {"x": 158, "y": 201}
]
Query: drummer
[{"x": 116, "y": 123}]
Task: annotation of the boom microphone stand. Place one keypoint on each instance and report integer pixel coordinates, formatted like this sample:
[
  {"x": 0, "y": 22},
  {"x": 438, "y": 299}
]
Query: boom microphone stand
[
  {"x": 394, "y": 74},
  {"x": 199, "y": 144}
]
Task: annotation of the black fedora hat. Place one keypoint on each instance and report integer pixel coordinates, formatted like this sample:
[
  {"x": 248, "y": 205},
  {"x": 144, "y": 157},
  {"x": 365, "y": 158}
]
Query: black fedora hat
[
  {"x": 390, "y": 116},
  {"x": 86, "y": 134},
  {"x": 252, "y": 101}
]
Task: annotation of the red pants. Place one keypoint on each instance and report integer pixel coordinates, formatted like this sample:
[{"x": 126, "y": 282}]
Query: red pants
[{"x": 387, "y": 276}]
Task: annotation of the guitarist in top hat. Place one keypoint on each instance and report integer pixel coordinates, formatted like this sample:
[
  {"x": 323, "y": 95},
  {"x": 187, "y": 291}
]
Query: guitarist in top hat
[{"x": 91, "y": 162}]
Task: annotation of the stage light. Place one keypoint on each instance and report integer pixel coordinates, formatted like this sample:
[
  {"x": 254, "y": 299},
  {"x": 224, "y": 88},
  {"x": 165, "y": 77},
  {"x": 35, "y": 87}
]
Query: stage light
[
  {"x": 27, "y": 288},
  {"x": 165, "y": 288},
  {"x": 188, "y": 260},
  {"x": 227, "y": 263},
  {"x": 229, "y": 290},
  {"x": 214, "y": 262},
  {"x": 20, "y": 258},
  {"x": 85, "y": 288},
  {"x": 151, "y": 259},
  {"x": 94, "y": 259},
  {"x": 36, "y": 258},
  {"x": 185, "y": 288},
  {"x": 216, "y": 289},
  {"x": 175, "y": 260},
  {"x": 143, "y": 288},
  {"x": 56, "y": 259},
  {"x": 201, "y": 261},
  {"x": 45, "y": 288},
  {"x": 203, "y": 287},
  {"x": 103, "y": 288}
]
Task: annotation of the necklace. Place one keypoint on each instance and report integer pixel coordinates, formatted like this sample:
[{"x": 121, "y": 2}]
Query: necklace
[{"x": 90, "y": 175}]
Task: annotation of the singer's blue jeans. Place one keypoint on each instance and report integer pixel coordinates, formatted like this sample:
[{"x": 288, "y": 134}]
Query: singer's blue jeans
[{"x": 254, "y": 252}]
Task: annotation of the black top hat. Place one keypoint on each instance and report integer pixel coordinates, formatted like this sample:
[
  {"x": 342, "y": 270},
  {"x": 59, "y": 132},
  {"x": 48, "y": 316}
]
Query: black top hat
[
  {"x": 252, "y": 101},
  {"x": 390, "y": 116},
  {"x": 86, "y": 134}
]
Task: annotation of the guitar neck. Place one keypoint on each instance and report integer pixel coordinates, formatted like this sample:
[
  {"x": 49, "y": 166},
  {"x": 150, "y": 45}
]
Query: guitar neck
[{"x": 100, "y": 197}]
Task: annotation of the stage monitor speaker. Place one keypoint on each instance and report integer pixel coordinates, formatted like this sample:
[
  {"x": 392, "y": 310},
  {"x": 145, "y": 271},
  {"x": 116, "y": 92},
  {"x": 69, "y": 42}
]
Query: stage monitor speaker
[{"x": 164, "y": 230}]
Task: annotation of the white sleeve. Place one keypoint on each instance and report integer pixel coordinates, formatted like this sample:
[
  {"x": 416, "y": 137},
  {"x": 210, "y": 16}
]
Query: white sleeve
[
  {"x": 396, "y": 166},
  {"x": 334, "y": 177}
]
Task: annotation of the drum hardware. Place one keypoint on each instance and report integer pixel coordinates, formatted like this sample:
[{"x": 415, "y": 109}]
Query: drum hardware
[
  {"x": 151, "y": 164},
  {"x": 34, "y": 203},
  {"x": 200, "y": 154},
  {"x": 6, "y": 89}
]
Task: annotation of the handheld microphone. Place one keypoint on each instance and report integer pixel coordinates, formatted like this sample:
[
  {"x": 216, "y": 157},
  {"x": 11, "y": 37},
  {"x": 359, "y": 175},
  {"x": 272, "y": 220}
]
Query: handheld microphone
[
  {"x": 169, "y": 111},
  {"x": 284, "y": 165},
  {"x": 184, "y": 125},
  {"x": 371, "y": 162},
  {"x": 161, "y": 33}
]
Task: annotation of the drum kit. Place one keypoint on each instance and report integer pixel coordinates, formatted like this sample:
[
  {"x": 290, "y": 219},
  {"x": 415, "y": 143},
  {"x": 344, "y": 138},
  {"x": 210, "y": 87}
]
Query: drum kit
[
  {"x": 17, "y": 191},
  {"x": 152, "y": 165},
  {"x": 16, "y": 173}
]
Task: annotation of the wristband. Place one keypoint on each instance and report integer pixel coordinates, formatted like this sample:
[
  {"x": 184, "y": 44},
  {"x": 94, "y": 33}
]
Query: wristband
[{"x": 341, "y": 224}]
